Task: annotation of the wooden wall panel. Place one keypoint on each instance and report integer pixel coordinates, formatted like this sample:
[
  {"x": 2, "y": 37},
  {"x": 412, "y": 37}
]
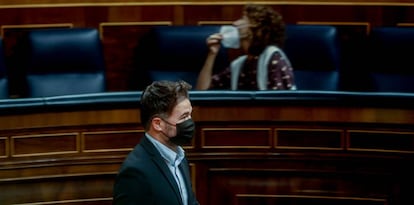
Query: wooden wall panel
[
  {"x": 381, "y": 141},
  {"x": 121, "y": 66},
  {"x": 237, "y": 158},
  {"x": 62, "y": 189},
  {"x": 295, "y": 187},
  {"x": 122, "y": 140},
  {"x": 297, "y": 138},
  {"x": 44, "y": 144},
  {"x": 236, "y": 138},
  {"x": 69, "y": 119},
  {"x": 247, "y": 199},
  {"x": 4, "y": 148}
]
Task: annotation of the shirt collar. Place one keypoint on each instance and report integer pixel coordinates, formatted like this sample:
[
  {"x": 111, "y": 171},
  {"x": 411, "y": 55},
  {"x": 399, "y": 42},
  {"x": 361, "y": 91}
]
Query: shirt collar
[{"x": 171, "y": 157}]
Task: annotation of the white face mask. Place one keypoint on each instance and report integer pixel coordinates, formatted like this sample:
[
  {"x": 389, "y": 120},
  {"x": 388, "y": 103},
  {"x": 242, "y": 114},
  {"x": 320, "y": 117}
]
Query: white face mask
[{"x": 231, "y": 37}]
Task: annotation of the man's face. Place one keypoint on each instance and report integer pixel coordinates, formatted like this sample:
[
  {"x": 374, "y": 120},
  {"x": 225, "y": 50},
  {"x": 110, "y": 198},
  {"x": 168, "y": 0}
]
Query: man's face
[{"x": 180, "y": 113}]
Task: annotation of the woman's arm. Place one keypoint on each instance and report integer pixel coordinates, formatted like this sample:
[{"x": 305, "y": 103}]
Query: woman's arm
[{"x": 204, "y": 77}]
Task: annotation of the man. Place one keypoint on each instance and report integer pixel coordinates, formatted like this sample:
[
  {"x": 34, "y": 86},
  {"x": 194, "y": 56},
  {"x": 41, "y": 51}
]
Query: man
[{"x": 156, "y": 171}]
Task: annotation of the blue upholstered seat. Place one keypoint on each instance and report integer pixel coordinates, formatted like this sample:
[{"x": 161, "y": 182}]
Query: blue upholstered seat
[
  {"x": 175, "y": 53},
  {"x": 4, "y": 84},
  {"x": 64, "y": 61},
  {"x": 314, "y": 53},
  {"x": 391, "y": 63}
]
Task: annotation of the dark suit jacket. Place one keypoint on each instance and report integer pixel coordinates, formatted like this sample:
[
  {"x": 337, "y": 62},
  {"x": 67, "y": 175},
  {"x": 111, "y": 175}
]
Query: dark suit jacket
[{"x": 144, "y": 178}]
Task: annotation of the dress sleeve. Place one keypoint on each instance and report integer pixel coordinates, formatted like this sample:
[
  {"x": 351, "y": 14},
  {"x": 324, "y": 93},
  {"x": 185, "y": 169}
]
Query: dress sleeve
[
  {"x": 221, "y": 81},
  {"x": 280, "y": 73}
]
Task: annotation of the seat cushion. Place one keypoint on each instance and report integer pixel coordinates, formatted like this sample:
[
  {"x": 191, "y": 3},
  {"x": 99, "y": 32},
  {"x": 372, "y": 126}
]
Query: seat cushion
[
  {"x": 46, "y": 85},
  {"x": 65, "y": 50},
  {"x": 390, "y": 67},
  {"x": 64, "y": 61},
  {"x": 314, "y": 53},
  {"x": 176, "y": 53}
]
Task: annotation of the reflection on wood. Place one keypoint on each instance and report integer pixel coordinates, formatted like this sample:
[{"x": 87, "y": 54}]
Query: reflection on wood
[{"x": 248, "y": 154}]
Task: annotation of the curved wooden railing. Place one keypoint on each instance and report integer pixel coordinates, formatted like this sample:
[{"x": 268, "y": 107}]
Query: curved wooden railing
[{"x": 261, "y": 147}]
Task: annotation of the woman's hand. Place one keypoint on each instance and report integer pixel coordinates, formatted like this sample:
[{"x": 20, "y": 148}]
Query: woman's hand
[{"x": 214, "y": 43}]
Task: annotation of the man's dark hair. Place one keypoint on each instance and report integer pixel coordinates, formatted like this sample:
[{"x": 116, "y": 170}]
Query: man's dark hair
[{"x": 159, "y": 99}]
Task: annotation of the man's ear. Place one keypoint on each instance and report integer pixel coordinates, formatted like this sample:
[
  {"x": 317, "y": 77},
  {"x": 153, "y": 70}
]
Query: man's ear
[{"x": 156, "y": 123}]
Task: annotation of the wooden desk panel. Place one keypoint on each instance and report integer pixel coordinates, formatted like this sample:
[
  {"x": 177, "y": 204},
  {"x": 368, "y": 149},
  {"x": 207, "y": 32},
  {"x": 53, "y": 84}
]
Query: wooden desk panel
[{"x": 243, "y": 153}]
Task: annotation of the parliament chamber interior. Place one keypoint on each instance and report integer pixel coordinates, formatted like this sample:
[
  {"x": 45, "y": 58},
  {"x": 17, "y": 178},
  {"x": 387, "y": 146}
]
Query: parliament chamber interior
[{"x": 72, "y": 73}]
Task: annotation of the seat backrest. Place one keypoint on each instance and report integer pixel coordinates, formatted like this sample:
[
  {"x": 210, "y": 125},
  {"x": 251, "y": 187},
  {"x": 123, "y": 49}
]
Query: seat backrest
[
  {"x": 4, "y": 84},
  {"x": 391, "y": 65},
  {"x": 64, "y": 61},
  {"x": 176, "y": 53},
  {"x": 314, "y": 53}
]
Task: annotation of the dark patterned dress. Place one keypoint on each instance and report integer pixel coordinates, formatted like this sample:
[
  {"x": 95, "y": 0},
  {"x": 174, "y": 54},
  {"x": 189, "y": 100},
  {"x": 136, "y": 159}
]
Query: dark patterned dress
[{"x": 280, "y": 75}]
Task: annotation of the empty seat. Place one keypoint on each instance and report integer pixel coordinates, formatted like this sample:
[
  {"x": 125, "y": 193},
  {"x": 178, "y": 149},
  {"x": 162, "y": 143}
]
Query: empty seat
[
  {"x": 64, "y": 61},
  {"x": 175, "y": 53},
  {"x": 314, "y": 53},
  {"x": 4, "y": 84},
  {"x": 391, "y": 66}
]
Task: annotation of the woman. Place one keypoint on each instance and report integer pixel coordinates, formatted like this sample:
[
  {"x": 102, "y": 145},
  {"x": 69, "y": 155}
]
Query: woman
[{"x": 264, "y": 67}]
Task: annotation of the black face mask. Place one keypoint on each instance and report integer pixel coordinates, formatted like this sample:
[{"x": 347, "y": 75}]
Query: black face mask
[{"x": 185, "y": 132}]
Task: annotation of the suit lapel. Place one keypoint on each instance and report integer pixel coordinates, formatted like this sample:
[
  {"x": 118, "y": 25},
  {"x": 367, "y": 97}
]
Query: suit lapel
[
  {"x": 185, "y": 171},
  {"x": 162, "y": 166}
]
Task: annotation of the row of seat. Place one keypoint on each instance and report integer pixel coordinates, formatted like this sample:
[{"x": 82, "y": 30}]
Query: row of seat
[
  {"x": 56, "y": 62},
  {"x": 71, "y": 61},
  {"x": 379, "y": 62}
]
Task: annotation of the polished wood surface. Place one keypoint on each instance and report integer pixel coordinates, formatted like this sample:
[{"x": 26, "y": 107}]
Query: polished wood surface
[{"x": 245, "y": 152}]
